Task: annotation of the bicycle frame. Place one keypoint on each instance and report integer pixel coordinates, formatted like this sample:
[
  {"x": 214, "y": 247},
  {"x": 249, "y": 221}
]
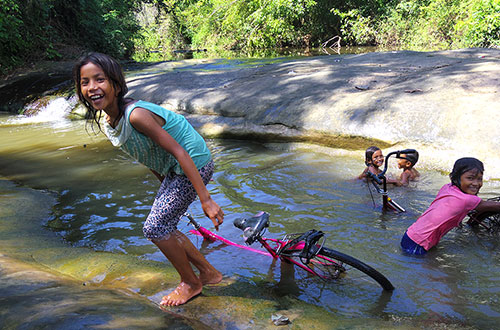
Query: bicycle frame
[
  {"x": 211, "y": 236},
  {"x": 298, "y": 246},
  {"x": 265, "y": 242}
]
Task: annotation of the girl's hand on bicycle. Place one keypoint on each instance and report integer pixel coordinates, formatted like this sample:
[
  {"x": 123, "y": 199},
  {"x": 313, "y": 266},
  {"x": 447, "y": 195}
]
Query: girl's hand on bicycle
[{"x": 213, "y": 211}]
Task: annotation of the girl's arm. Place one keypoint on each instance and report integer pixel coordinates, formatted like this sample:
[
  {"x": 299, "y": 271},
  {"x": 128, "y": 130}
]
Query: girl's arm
[
  {"x": 487, "y": 206},
  {"x": 396, "y": 182},
  {"x": 150, "y": 124},
  {"x": 363, "y": 174},
  {"x": 370, "y": 169}
]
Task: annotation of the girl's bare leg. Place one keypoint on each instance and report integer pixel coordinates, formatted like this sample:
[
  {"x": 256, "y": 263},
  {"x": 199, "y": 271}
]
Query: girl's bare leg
[
  {"x": 190, "y": 285},
  {"x": 208, "y": 273}
]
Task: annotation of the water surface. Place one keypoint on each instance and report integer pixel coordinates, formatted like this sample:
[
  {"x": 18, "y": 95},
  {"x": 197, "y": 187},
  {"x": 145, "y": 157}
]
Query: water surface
[{"x": 103, "y": 198}]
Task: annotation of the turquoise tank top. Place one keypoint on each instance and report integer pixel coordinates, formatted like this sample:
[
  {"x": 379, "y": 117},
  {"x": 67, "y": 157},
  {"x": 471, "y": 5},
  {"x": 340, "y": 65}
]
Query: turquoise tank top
[{"x": 147, "y": 152}]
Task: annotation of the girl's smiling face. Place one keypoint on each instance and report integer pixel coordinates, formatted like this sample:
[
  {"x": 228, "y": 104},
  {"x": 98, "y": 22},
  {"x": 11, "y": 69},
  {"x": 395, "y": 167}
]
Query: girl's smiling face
[
  {"x": 377, "y": 158},
  {"x": 97, "y": 89},
  {"x": 471, "y": 181}
]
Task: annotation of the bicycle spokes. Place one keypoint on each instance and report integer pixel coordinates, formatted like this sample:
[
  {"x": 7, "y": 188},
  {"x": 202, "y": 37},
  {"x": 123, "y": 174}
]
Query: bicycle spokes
[
  {"x": 324, "y": 268},
  {"x": 319, "y": 265}
]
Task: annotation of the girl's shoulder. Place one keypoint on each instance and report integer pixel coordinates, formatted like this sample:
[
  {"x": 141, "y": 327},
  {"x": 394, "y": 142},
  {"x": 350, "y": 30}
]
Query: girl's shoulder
[
  {"x": 363, "y": 174},
  {"x": 153, "y": 107}
]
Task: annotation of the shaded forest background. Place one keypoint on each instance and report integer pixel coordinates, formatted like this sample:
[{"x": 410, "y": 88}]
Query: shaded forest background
[{"x": 38, "y": 30}]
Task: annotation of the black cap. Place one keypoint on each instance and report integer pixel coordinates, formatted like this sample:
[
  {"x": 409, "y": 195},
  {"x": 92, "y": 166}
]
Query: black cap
[{"x": 411, "y": 157}]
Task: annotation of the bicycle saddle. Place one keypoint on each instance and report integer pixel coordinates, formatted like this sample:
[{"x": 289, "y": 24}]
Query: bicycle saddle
[{"x": 253, "y": 226}]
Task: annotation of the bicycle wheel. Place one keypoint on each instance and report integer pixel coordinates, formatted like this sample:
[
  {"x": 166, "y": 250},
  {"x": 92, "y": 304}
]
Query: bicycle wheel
[
  {"x": 329, "y": 265},
  {"x": 341, "y": 258}
]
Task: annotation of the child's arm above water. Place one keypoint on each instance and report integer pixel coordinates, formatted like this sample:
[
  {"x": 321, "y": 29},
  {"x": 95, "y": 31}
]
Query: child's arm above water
[
  {"x": 363, "y": 175},
  {"x": 403, "y": 180},
  {"x": 487, "y": 206},
  {"x": 371, "y": 169}
]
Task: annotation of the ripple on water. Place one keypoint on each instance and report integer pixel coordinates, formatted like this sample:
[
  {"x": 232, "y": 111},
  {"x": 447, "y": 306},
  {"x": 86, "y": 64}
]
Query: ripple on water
[{"x": 104, "y": 205}]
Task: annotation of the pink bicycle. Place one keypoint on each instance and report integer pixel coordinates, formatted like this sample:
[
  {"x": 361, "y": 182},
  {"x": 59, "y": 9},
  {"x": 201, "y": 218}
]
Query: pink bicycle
[{"x": 305, "y": 250}]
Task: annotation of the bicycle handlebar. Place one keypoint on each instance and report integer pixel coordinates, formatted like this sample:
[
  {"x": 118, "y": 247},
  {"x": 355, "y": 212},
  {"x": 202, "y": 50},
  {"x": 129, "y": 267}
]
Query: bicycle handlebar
[
  {"x": 374, "y": 177},
  {"x": 406, "y": 151},
  {"x": 381, "y": 175},
  {"x": 253, "y": 227}
]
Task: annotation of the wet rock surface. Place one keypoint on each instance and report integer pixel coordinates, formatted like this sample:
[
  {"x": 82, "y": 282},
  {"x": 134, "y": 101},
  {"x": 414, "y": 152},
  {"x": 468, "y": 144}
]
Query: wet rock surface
[
  {"x": 37, "y": 299},
  {"x": 318, "y": 98},
  {"x": 37, "y": 292}
]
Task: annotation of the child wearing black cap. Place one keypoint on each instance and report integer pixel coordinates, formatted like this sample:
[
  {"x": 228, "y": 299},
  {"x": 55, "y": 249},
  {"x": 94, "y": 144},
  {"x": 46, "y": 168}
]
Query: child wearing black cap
[{"x": 406, "y": 162}]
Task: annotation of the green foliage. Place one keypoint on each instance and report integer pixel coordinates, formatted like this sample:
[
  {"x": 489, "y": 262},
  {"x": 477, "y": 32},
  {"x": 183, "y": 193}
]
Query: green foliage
[
  {"x": 11, "y": 39},
  {"x": 250, "y": 23},
  {"x": 160, "y": 32},
  {"x": 43, "y": 29},
  {"x": 355, "y": 28},
  {"x": 32, "y": 30},
  {"x": 479, "y": 24},
  {"x": 426, "y": 24}
]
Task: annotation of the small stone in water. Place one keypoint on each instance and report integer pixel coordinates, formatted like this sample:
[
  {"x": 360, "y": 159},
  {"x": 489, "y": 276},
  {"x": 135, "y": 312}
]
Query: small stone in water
[{"x": 279, "y": 319}]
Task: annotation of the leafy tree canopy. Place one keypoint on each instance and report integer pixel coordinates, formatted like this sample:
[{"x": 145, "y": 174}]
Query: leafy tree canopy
[{"x": 33, "y": 30}]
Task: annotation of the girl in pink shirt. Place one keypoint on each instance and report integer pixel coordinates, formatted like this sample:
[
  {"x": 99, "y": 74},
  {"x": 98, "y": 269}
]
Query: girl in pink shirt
[{"x": 452, "y": 203}]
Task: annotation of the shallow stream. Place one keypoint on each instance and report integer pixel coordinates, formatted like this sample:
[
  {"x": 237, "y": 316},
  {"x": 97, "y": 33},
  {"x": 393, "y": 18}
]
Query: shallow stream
[{"x": 101, "y": 199}]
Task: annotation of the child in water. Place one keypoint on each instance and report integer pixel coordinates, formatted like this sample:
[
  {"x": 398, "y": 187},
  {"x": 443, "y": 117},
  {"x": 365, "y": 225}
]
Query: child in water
[
  {"x": 407, "y": 162},
  {"x": 171, "y": 148},
  {"x": 449, "y": 208},
  {"x": 374, "y": 159}
]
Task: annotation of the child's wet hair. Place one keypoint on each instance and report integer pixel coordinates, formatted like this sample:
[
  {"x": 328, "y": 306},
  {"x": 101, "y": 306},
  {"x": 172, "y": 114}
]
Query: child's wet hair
[
  {"x": 463, "y": 165},
  {"x": 113, "y": 72},
  {"x": 369, "y": 154}
]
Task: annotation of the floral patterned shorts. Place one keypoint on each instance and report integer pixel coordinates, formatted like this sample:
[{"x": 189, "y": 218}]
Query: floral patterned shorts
[{"x": 172, "y": 201}]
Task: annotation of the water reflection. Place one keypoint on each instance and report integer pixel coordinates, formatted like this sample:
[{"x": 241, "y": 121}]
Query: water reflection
[{"x": 103, "y": 199}]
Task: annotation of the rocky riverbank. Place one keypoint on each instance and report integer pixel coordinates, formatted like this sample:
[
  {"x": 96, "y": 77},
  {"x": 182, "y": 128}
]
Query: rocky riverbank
[{"x": 375, "y": 96}]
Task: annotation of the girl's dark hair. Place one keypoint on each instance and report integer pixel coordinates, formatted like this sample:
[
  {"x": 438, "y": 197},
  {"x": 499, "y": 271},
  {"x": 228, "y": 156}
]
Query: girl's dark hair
[
  {"x": 113, "y": 72},
  {"x": 463, "y": 165},
  {"x": 369, "y": 154}
]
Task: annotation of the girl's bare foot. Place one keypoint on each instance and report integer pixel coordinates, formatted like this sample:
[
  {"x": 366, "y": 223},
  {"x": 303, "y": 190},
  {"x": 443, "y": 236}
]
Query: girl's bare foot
[
  {"x": 210, "y": 277},
  {"x": 180, "y": 295}
]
